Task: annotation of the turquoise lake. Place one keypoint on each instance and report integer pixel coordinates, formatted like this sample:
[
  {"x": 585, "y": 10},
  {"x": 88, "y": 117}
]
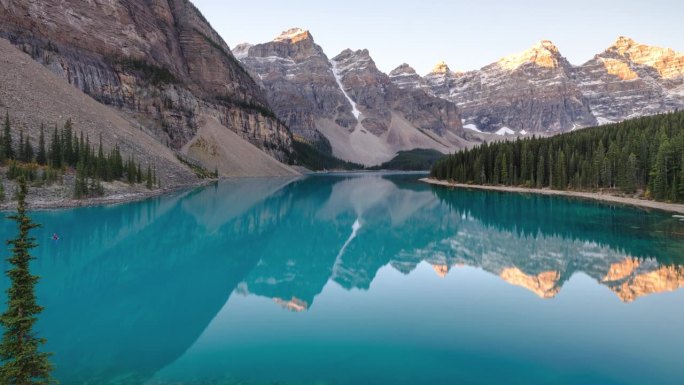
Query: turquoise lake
[{"x": 360, "y": 279}]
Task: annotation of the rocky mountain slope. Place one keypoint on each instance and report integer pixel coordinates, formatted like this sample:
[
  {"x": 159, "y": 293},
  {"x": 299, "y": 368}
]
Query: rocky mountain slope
[
  {"x": 159, "y": 62},
  {"x": 32, "y": 96},
  {"x": 539, "y": 91},
  {"x": 345, "y": 103},
  {"x": 629, "y": 79},
  {"x": 531, "y": 91}
]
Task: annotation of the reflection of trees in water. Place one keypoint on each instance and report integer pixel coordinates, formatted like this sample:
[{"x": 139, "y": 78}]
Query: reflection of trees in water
[{"x": 635, "y": 232}]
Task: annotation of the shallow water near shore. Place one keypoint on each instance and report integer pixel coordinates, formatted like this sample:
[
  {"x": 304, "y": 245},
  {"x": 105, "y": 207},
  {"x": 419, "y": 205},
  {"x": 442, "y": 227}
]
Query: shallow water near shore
[{"x": 360, "y": 279}]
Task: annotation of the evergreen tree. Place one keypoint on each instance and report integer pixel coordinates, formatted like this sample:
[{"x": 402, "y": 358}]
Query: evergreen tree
[
  {"x": 20, "y": 153},
  {"x": 540, "y": 172},
  {"x": 81, "y": 183},
  {"x": 644, "y": 155},
  {"x": 138, "y": 174},
  {"x": 7, "y": 139},
  {"x": 55, "y": 150},
  {"x": 148, "y": 178},
  {"x": 41, "y": 156},
  {"x": 28, "y": 150},
  {"x": 659, "y": 173},
  {"x": 22, "y": 361}
]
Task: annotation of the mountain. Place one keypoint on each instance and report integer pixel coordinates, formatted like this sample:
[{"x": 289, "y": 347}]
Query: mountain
[
  {"x": 33, "y": 95},
  {"x": 532, "y": 91},
  {"x": 630, "y": 79},
  {"x": 539, "y": 91},
  {"x": 345, "y": 105},
  {"x": 162, "y": 66}
]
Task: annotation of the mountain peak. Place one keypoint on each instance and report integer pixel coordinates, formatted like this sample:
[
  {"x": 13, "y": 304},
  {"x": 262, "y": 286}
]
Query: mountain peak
[
  {"x": 403, "y": 69},
  {"x": 441, "y": 68},
  {"x": 241, "y": 51},
  {"x": 294, "y": 35},
  {"x": 543, "y": 54},
  {"x": 668, "y": 62},
  {"x": 545, "y": 45},
  {"x": 624, "y": 42}
]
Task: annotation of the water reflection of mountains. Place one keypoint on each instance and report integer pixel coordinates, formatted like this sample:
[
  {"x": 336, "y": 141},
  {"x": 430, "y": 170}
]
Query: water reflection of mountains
[
  {"x": 534, "y": 242},
  {"x": 131, "y": 287}
]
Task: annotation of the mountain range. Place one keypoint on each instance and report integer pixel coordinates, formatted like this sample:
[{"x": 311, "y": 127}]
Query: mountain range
[
  {"x": 161, "y": 74},
  {"x": 366, "y": 116}
]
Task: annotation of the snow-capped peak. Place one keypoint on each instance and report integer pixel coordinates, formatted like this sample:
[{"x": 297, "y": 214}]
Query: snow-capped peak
[{"x": 293, "y": 35}]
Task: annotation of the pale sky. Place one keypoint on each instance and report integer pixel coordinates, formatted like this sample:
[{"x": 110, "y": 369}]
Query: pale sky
[{"x": 466, "y": 34}]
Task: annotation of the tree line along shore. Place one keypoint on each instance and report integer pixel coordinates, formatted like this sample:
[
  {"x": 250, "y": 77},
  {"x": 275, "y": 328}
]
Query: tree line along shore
[
  {"x": 641, "y": 159},
  {"x": 66, "y": 152}
]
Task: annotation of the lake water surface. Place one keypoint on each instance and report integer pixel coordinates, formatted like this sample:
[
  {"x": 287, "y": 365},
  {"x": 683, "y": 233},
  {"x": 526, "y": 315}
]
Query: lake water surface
[{"x": 360, "y": 279}]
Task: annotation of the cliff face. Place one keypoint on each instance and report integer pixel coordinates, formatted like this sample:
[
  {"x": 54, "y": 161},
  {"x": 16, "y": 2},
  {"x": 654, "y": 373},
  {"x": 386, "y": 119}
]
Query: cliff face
[
  {"x": 299, "y": 83},
  {"x": 539, "y": 91},
  {"x": 159, "y": 61},
  {"x": 630, "y": 79},
  {"x": 532, "y": 92},
  {"x": 345, "y": 103}
]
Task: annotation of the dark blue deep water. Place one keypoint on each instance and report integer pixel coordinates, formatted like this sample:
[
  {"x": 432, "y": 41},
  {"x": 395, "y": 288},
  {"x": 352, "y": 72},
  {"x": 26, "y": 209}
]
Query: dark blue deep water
[{"x": 360, "y": 279}]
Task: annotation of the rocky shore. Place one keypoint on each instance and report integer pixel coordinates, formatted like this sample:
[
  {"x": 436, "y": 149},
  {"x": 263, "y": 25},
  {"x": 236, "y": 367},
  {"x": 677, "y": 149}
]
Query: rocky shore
[{"x": 60, "y": 196}]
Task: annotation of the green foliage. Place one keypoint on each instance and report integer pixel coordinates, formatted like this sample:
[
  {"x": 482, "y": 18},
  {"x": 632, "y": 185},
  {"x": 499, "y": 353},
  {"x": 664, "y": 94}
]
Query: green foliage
[
  {"x": 16, "y": 170},
  {"x": 67, "y": 150},
  {"x": 22, "y": 361},
  {"x": 307, "y": 155},
  {"x": 644, "y": 154},
  {"x": 152, "y": 73},
  {"x": 8, "y": 151},
  {"x": 413, "y": 160}
]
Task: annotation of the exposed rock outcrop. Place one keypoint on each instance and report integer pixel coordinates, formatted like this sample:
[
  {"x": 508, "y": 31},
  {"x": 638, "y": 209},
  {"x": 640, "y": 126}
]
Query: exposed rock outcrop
[
  {"x": 630, "y": 79},
  {"x": 159, "y": 61},
  {"x": 532, "y": 92},
  {"x": 345, "y": 103},
  {"x": 539, "y": 91}
]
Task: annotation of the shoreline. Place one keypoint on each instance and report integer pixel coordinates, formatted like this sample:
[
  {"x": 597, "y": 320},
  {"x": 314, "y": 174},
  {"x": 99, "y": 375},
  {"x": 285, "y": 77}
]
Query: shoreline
[
  {"x": 605, "y": 198},
  {"x": 110, "y": 200}
]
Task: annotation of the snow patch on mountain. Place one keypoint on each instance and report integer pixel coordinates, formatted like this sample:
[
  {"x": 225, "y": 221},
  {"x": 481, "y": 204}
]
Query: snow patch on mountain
[
  {"x": 503, "y": 131},
  {"x": 338, "y": 78},
  {"x": 471, "y": 127}
]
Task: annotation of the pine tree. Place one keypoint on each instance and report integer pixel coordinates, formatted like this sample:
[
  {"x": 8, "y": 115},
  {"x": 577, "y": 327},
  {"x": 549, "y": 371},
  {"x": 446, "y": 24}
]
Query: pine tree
[
  {"x": 28, "y": 150},
  {"x": 628, "y": 184},
  {"x": 41, "y": 156},
  {"x": 81, "y": 184},
  {"x": 138, "y": 174},
  {"x": 7, "y": 138},
  {"x": 22, "y": 361},
  {"x": 55, "y": 150},
  {"x": 540, "y": 172},
  {"x": 659, "y": 172},
  {"x": 20, "y": 153},
  {"x": 148, "y": 178},
  {"x": 67, "y": 145}
]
